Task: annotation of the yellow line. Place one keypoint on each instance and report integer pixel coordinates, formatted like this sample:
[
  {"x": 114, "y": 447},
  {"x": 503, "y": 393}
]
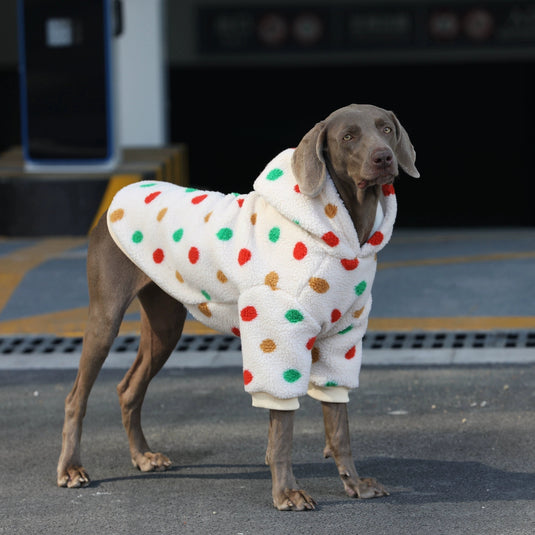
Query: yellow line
[
  {"x": 14, "y": 266},
  {"x": 115, "y": 183},
  {"x": 73, "y": 323},
  {"x": 493, "y": 257}
]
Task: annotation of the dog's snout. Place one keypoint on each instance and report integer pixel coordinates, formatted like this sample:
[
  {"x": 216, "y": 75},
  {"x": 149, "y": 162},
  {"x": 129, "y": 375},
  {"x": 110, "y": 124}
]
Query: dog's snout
[{"x": 382, "y": 157}]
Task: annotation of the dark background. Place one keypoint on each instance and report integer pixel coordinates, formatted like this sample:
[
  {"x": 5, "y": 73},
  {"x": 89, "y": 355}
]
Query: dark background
[
  {"x": 473, "y": 127},
  {"x": 471, "y": 119}
]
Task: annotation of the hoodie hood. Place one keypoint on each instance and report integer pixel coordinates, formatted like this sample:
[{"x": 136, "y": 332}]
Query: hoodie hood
[{"x": 325, "y": 217}]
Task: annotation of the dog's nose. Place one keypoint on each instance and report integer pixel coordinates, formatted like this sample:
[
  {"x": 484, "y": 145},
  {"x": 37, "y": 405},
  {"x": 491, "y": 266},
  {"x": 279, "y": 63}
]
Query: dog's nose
[{"x": 382, "y": 157}]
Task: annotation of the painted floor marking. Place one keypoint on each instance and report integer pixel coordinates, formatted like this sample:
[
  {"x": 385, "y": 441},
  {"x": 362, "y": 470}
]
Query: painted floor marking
[{"x": 14, "y": 266}]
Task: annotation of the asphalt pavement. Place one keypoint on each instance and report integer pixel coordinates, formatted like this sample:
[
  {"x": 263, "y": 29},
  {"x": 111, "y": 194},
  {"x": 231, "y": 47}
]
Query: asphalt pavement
[
  {"x": 454, "y": 445},
  {"x": 444, "y": 417}
]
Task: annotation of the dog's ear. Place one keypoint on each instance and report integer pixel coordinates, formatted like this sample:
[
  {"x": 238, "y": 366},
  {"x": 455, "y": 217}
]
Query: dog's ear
[
  {"x": 405, "y": 152},
  {"x": 308, "y": 163}
]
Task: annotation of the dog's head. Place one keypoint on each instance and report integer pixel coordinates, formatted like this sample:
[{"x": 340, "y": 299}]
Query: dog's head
[{"x": 361, "y": 144}]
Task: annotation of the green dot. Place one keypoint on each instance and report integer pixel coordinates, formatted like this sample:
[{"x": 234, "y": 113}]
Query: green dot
[
  {"x": 360, "y": 288},
  {"x": 294, "y": 316},
  {"x": 296, "y": 222},
  {"x": 274, "y": 234},
  {"x": 331, "y": 383},
  {"x": 206, "y": 295},
  {"x": 191, "y": 190},
  {"x": 224, "y": 234},
  {"x": 137, "y": 237},
  {"x": 147, "y": 184},
  {"x": 177, "y": 235},
  {"x": 275, "y": 173},
  {"x": 291, "y": 375},
  {"x": 346, "y": 330}
]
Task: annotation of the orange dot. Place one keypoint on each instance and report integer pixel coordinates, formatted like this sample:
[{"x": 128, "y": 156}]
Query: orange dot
[
  {"x": 221, "y": 277},
  {"x": 203, "y": 308},
  {"x": 315, "y": 354},
  {"x": 271, "y": 280},
  {"x": 253, "y": 219},
  {"x": 358, "y": 313},
  {"x": 117, "y": 215},
  {"x": 179, "y": 277},
  {"x": 331, "y": 210},
  {"x": 207, "y": 217},
  {"x": 161, "y": 214},
  {"x": 318, "y": 285},
  {"x": 268, "y": 346}
]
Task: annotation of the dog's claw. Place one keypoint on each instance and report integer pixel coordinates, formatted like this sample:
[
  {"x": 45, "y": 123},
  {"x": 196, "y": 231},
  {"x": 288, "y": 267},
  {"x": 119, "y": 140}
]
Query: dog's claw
[
  {"x": 152, "y": 462},
  {"x": 74, "y": 477},
  {"x": 365, "y": 488},
  {"x": 295, "y": 500}
]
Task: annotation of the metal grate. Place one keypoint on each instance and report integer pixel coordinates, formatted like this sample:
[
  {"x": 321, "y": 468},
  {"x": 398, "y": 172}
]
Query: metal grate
[{"x": 372, "y": 340}]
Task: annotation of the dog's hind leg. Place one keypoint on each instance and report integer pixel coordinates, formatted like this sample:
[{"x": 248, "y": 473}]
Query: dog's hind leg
[
  {"x": 338, "y": 446},
  {"x": 113, "y": 282},
  {"x": 162, "y": 321}
]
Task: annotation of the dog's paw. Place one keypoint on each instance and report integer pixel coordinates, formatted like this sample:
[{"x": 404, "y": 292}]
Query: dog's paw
[
  {"x": 73, "y": 477},
  {"x": 151, "y": 462},
  {"x": 365, "y": 488},
  {"x": 294, "y": 500}
]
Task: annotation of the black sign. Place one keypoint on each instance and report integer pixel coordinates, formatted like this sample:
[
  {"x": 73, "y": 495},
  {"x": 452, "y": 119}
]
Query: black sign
[{"x": 241, "y": 31}]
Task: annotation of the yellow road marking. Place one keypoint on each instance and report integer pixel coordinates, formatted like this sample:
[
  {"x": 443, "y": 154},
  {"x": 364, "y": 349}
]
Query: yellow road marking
[
  {"x": 14, "y": 266},
  {"x": 73, "y": 323}
]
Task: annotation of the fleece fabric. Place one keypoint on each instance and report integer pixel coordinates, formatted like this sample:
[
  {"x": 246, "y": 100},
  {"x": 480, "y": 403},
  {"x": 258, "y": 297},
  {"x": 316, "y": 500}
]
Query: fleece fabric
[{"x": 283, "y": 271}]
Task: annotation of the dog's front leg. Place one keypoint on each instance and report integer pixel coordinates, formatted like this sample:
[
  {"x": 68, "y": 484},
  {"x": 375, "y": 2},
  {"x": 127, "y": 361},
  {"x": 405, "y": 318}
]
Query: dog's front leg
[
  {"x": 286, "y": 495},
  {"x": 338, "y": 446}
]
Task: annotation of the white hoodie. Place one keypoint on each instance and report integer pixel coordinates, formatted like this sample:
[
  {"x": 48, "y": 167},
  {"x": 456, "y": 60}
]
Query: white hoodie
[{"x": 282, "y": 270}]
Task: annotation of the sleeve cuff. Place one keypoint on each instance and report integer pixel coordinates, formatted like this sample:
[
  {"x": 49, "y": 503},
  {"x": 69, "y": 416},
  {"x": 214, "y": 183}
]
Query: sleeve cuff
[
  {"x": 264, "y": 400},
  {"x": 332, "y": 394}
]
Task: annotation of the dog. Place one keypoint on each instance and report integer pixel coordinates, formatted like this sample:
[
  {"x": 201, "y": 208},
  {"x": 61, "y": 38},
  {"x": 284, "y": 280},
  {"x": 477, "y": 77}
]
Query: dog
[{"x": 288, "y": 267}]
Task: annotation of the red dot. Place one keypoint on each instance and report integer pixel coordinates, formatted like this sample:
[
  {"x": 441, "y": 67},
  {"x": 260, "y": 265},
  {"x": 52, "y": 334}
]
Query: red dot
[
  {"x": 235, "y": 331},
  {"x": 240, "y": 202},
  {"x": 152, "y": 196},
  {"x": 376, "y": 239},
  {"x": 297, "y": 189},
  {"x": 310, "y": 343},
  {"x": 248, "y": 313},
  {"x": 335, "y": 315},
  {"x": 388, "y": 189},
  {"x": 244, "y": 256},
  {"x": 331, "y": 239},
  {"x": 158, "y": 256},
  {"x": 199, "y": 198},
  {"x": 350, "y": 264},
  {"x": 193, "y": 255},
  {"x": 247, "y": 377},
  {"x": 351, "y": 353},
  {"x": 300, "y": 250}
]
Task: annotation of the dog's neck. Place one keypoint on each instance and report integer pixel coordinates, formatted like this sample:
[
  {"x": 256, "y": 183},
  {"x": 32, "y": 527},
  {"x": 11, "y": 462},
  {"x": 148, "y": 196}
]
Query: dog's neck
[{"x": 361, "y": 204}]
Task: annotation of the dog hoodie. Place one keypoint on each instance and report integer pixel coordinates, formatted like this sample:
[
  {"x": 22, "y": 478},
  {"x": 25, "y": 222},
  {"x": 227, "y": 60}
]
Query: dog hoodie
[{"x": 283, "y": 271}]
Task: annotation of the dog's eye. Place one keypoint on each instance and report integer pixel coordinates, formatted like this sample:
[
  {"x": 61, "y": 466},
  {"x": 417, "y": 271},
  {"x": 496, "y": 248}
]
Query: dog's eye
[
  {"x": 387, "y": 130},
  {"x": 347, "y": 137}
]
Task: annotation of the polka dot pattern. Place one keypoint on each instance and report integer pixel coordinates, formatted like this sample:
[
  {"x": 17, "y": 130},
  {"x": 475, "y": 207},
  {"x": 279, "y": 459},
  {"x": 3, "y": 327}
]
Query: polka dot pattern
[{"x": 314, "y": 273}]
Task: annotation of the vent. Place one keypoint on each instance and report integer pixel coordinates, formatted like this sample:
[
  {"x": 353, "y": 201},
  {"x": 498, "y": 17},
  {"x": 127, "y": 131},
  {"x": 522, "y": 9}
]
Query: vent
[{"x": 373, "y": 340}]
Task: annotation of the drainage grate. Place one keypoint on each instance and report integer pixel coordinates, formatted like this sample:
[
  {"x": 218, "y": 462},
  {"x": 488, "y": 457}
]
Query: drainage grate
[
  {"x": 372, "y": 340},
  {"x": 450, "y": 340}
]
